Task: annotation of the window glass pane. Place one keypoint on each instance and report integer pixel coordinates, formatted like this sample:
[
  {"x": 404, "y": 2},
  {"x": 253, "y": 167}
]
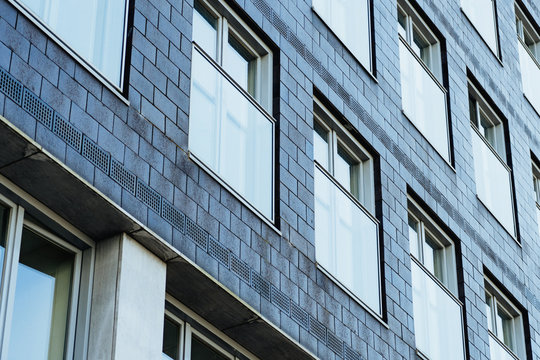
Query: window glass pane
[
  {"x": 414, "y": 237},
  {"x": 421, "y": 46},
  {"x": 536, "y": 189},
  {"x": 482, "y": 15},
  {"x": 434, "y": 257},
  {"x": 487, "y": 129},
  {"x": 231, "y": 135},
  {"x": 505, "y": 331},
  {"x": 402, "y": 21},
  {"x": 346, "y": 241},
  {"x": 473, "y": 111},
  {"x": 346, "y": 170},
  {"x": 349, "y": 20},
  {"x": 205, "y": 30},
  {"x": 171, "y": 340},
  {"x": 240, "y": 64},
  {"x": 321, "y": 138},
  {"x": 42, "y": 299},
  {"x": 92, "y": 28},
  {"x": 489, "y": 313},
  {"x": 202, "y": 351}
]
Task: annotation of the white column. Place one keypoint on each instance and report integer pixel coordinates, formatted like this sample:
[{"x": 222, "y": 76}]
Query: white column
[{"x": 128, "y": 301}]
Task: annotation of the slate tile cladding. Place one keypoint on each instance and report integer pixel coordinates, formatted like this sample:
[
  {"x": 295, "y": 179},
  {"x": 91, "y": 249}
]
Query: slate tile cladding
[{"x": 146, "y": 142}]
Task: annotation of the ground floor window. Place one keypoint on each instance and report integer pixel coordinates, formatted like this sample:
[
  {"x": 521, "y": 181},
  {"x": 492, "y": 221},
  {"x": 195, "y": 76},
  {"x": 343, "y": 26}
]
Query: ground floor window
[{"x": 40, "y": 286}]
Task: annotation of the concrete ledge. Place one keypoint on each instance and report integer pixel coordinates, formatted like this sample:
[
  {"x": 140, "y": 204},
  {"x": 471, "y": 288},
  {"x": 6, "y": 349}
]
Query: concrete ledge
[{"x": 37, "y": 172}]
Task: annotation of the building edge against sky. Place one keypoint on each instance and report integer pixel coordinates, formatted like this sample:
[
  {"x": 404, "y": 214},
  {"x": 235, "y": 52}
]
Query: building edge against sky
[{"x": 269, "y": 179}]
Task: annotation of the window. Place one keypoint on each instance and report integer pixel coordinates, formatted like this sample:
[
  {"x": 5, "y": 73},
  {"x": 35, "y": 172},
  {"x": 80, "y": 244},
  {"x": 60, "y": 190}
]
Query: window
[
  {"x": 505, "y": 324},
  {"x": 236, "y": 49},
  {"x": 182, "y": 342},
  {"x": 431, "y": 247},
  {"x": 94, "y": 30},
  {"x": 490, "y": 156},
  {"x": 420, "y": 39},
  {"x": 40, "y": 288},
  {"x": 231, "y": 133},
  {"x": 528, "y": 35},
  {"x": 488, "y": 124},
  {"x": 482, "y": 14},
  {"x": 424, "y": 98},
  {"x": 346, "y": 232},
  {"x": 350, "y": 20},
  {"x": 438, "y": 313}
]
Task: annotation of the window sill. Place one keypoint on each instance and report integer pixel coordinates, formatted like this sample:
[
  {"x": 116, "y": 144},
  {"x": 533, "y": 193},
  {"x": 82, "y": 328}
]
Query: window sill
[
  {"x": 76, "y": 57},
  {"x": 497, "y": 56},
  {"x": 229, "y": 188},
  {"x": 355, "y": 298}
]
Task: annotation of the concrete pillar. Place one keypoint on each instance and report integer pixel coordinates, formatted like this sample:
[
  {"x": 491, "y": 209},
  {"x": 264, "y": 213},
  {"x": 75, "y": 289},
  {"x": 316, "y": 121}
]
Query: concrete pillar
[{"x": 128, "y": 300}]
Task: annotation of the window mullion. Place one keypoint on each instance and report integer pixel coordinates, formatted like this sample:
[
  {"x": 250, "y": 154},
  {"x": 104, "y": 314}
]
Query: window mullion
[
  {"x": 408, "y": 21},
  {"x": 494, "y": 315},
  {"x": 222, "y": 39},
  {"x": 9, "y": 282},
  {"x": 421, "y": 240},
  {"x": 187, "y": 341},
  {"x": 333, "y": 152}
]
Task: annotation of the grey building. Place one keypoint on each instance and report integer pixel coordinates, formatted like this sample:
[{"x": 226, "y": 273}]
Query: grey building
[{"x": 269, "y": 179}]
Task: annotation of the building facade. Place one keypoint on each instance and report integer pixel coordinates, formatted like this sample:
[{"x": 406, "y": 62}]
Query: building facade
[{"x": 269, "y": 179}]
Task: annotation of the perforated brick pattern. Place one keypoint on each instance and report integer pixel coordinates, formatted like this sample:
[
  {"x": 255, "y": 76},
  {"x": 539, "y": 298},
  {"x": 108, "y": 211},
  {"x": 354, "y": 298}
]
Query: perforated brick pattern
[
  {"x": 149, "y": 196},
  {"x": 218, "y": 252},
  {"x": 280, "y": 300},
  {"x": 335, "y": 344},
  {"x": 300, "y": 315},
  {"x": 11, "y": 87},
  {"x": 260, "y": 285},
  {"x": 198, "y": 235},
  {"x": 240, "y": 268},
  {"x": 122, "y": 176},
  {"x": 67, "y": 132},
  {"x": 317, "y": 329},
  {"x": 173, "y": 216},
  {"x": 350, "y": 354},
  {"x": 95, "y": 154},
  {"x": 37, "y": 108}
]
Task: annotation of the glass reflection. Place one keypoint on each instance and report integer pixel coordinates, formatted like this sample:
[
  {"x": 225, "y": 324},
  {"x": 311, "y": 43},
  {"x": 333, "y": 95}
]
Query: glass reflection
[
  {"x": 42, "y": 297},
  {"x": 92, "y": 28}
]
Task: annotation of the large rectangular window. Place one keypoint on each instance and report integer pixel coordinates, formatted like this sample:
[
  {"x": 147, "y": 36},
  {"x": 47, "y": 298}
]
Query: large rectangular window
[
  {"x": 438, "y": 314},
  {"x": 94, "y": 30},
  {"x": 505, "y": 325},
  {"x": 230, "y": 130},
  {"x": 346, "y": 232},
  {"x": 422, "y": 93},
  {"x": 40, "y": 287},
  {"x": 492, "y": 174},
  {"x": 350, "y": 20},
  {"x": 529, "y": 56},
  {"x": 482, "y": 14}
]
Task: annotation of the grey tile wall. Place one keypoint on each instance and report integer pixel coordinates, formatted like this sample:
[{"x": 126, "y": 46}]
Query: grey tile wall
[{"x": 143, "y": 148}]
